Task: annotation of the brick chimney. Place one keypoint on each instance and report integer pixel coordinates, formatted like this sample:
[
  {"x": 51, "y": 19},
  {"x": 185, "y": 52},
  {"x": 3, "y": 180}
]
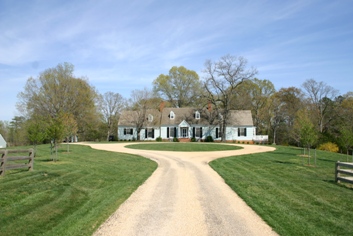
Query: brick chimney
[
  {"x": 161, "y": 106},
  {"x": 209, "y": 106}
]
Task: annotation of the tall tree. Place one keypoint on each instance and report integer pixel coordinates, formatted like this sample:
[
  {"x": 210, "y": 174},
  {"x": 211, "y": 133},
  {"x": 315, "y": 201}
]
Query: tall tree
[
  {"x": 57, "y": 90},
  {"x": 17, "y": 131},
  {"x": 318, "y": 95},
  {"x": 289, "y": 101},
  {"x": 221, "y": 81},
  {"x": 111, "y": 105},
  {"x": 181, "y": 87},
  {"x": 139, "y": 103}
]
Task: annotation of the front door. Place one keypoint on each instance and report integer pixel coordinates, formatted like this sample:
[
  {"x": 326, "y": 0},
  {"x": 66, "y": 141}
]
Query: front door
[{"x": 184, "y": 132}]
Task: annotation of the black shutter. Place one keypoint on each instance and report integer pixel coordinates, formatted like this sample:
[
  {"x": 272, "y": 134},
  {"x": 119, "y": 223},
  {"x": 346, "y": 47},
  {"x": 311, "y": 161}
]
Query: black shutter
[
  {"x": 245, "y": 132},
  {"x": 152, "y": 133},
  {"x": 146, "y": 131},
  {"x": 167, "y": 132},
  {"x": 175, "y": 132},
  {"x": 124, "y": 131},
  {"x": 216, "y": 132},
  {"x": 238, "y": 132},
  {"x": 193, "y": 132},
  {"x": 200, "y": 132},
  {"x": 131, "y": 131}
]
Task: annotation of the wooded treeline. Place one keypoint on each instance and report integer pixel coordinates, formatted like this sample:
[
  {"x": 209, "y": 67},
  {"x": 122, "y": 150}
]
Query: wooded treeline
[{"x": 57, "y": 105}]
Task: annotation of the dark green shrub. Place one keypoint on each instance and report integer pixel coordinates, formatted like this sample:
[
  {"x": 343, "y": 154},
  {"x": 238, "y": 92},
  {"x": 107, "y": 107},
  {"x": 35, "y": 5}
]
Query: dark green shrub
[
  {"x": 193, "y": 139},
  {"x": 159, "y": 139},
  {"x": 209, "y": 139},
  {"x": 175, "y": 139}
]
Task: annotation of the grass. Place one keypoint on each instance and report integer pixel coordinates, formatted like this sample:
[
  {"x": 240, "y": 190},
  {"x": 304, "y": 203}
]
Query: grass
[
  {"x": 184, "y": 147},
  {"x": 294, "y": 199},
  {"x": 72, "y": 196}
]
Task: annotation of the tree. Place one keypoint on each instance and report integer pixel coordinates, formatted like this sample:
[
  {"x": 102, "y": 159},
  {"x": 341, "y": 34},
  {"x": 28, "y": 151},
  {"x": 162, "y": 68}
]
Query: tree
[
  {"x": 222, "y": 78},
  {"x": 260, "y": 93},
  {"x": 36, "y": 131},
  {"x": 17, "y": 131},
  {"x": 70, "y": 127},
  {"x": 111, "y": 105},
  {"x": 305, "y": 129},
  {"x": 345, "y": 125},
  {"x": 181, "y": 87},
  {"x": 274, "y": 107},
  {"x": 318, "y": 95},
  {"x": 287, "y": 103},
  {"x": 139, "y": 102},
  {"x": 56, "y": 132},
  {"x": 57, "y": 90}
]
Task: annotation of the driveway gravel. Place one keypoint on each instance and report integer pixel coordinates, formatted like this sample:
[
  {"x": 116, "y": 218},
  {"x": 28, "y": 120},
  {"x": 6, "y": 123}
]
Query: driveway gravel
[{"x": 184, "y": 196}]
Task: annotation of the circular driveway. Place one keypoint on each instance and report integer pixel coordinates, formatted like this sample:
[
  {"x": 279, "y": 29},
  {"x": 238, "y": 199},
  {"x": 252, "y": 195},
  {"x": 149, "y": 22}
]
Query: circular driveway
[{"x": 184, "y": 196}]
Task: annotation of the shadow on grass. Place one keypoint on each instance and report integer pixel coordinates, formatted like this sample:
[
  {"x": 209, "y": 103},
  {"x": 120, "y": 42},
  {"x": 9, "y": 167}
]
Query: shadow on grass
[{"x": 285, "y": 162}]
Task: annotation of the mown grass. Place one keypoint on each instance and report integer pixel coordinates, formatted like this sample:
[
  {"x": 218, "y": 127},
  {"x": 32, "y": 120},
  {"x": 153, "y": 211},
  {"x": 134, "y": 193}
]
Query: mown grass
[
  {"x": 294, "y": 199},
  {"x": 184, "y": 147},
  {"x": 72, "y": 196}
]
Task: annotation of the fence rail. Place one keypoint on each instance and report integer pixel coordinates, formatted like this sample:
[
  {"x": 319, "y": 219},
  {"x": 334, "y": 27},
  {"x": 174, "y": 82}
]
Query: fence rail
[
  {"x": 347, "y": 173},
  {"x": 5, "y": 159}
]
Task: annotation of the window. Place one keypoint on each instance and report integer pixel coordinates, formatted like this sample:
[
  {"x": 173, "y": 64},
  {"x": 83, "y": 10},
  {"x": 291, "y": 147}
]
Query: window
[
  {"x": 241, "y": 132},
  {"x": 197, "y": 132},
  {"x": 150, "y": 118},
  {"x": 149, "y": 133},
  {"x": 197, "y": 115},
  {"x": 128, "y": 131},
  {"x": 172, "y": 131},
  {"x": 218, "y": 133},
  {"x": 171, "y": 115}
]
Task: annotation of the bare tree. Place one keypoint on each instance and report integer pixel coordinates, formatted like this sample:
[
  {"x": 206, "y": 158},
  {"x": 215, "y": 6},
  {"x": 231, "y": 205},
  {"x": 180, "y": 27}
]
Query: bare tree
[
  {"x": 221, "y": 80},
  {"x": 139, "y": 102},
  {"x": 317, "y": 94},
  {"x": 111, "y": 104}
]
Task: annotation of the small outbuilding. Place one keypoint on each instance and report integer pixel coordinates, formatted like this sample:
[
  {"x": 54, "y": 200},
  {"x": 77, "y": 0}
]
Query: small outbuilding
[{"x": 2, "y": 142}]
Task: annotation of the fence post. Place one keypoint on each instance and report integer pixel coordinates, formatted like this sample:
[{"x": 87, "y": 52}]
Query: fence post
[
  {"x": 337, "y": 174},
  {"x": 31, "y": 160},
  {"x": 3, "y": 163}
]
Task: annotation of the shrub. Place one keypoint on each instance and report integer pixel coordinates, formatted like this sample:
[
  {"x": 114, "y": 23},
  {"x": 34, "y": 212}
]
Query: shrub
[
  {"x": 159, "y": 139},
  {"x": 209, "y": 139},
  {"x": 175, "y": 139},
  {"x": 331, "y": 147},
  {"x": 193, "y": 139}
]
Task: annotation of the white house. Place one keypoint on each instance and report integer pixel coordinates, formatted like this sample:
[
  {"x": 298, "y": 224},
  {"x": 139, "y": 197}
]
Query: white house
[
  {"x": 2, "y": 142},
  {"x": 185, "y": 123}
]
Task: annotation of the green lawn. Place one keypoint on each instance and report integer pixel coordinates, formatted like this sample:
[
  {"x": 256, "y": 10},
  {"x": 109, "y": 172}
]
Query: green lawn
[
  {"x": 294, "y": 199},
  {"x": 184, "y": 147},
  {"x": 72, "y": 196}
]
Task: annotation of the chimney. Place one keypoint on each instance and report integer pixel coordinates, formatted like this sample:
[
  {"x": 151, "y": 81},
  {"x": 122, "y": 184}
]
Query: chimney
[
  {"x": 209, "y": 106},
  {"x": 161, "y": 106}
]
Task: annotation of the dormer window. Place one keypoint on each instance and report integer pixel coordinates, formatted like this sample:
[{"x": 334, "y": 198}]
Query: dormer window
[
  {"x": 197, "y": 115},
  {"x": 150, "y": 118},
  {"x": 171, "y": 115}
]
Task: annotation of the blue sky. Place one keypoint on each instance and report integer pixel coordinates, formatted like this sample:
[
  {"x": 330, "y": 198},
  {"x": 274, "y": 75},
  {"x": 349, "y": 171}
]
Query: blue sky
[{"x": 124, "y": 45}]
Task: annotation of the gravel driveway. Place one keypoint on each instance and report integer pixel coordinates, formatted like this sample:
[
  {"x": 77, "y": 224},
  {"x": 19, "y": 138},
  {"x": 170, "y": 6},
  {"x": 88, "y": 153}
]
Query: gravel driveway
[{"x": 184, "y": 196}]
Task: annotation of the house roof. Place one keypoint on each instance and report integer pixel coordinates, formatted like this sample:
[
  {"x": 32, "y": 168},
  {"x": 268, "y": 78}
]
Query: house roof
[{"x": 236, "y": 117}]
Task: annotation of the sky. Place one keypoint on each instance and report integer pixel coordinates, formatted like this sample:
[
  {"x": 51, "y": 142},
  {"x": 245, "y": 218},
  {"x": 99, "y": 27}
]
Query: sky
[{"x": 120, "y": 46}]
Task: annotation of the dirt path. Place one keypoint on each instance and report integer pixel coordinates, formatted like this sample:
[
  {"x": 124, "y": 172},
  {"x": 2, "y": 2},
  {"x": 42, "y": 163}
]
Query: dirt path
[{"x": 184, "y": 196}]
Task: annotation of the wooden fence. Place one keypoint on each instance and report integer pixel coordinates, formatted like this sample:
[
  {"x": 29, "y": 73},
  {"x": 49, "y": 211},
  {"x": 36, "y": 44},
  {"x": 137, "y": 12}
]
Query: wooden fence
[
  {"x": 344, "y": 175},
  {"x": 6, "y": 159}
]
